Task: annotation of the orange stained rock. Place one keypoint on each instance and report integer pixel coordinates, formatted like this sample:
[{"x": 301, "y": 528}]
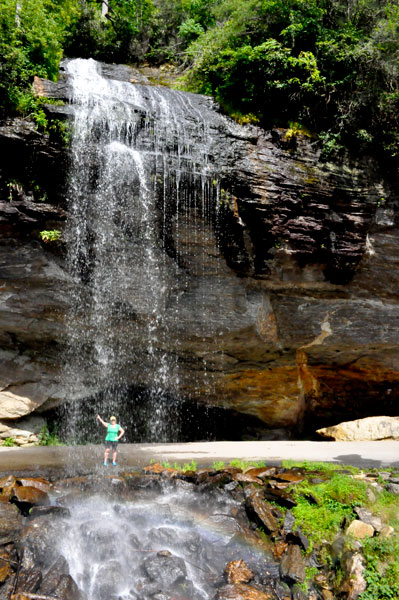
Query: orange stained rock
[
  {"x": 279, "y": 485},
  {"x": 30, "y": 494},
  {"x": 260, "y": 471},
  {"x": 247, "y": 478},
  {"x": 272, "y": 395},
  {"x": 289, "y": 476},
  {"x": 279, "y": 548},
  {"x": 155, "y": 468},
  {"x": 237, "y": 571},
  {"x": 5, "y": 571},
  {"x": 8, "y": 480}
]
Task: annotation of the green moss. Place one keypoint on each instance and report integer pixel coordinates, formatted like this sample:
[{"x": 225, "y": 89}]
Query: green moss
[{"x": 336, "y": 499}]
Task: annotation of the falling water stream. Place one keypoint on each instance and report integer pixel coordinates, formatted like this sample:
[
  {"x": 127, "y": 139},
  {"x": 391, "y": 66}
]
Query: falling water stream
[
  {"x": 142, "y": 197},
  {"x": 142, "y": 193}
]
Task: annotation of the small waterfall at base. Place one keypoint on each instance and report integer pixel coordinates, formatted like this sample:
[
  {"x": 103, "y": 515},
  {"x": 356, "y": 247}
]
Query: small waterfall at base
[
  {"x": 145, "y": 539},
  {"x": 140, "y": 175}
]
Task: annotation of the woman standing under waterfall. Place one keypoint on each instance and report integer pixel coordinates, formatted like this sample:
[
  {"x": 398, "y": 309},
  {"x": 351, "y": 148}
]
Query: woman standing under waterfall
[{"x": 114, "y": 434}]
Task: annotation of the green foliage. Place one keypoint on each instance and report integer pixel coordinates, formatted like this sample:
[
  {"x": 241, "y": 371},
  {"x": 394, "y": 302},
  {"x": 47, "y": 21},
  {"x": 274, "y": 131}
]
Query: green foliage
[
  {"x": 218, "y": 465},
  {"x": 9, "y": 442},
  {"x": 244, "y": 464},
  {"x": 321, "y": 467},
  {"x": 50, "y": 236},
  {"x": 381, "y": 568},
  {"x": 387, "y": 507},
  {"x": 191, "y": 466},
  {"x": 336, "y": 498},
  {"x": 327, "y": 65},
  {"x": 122, "y": 35},
  {"x": 31, "y": 38},
  {"x": 48, "y": 439}
]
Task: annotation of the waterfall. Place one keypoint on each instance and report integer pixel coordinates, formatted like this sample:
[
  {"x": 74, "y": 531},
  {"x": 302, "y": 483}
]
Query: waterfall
[{"x": 142, "y": 193}]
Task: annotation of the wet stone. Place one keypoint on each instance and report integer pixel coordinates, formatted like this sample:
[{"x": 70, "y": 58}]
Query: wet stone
[
  {"x": 289, "y": 521},
  {"x": 279, "y": 548},
  {"x": 230, "y": 487},
  {"x": 26, "y": 497},
  {"x": 241, "y": 591},
  {"x": 246, "y": 478},
  {"x": 280, "y": 497},
  {"x": 298, "y": 538},
  {"x": 261, "y": 513},
  {"x": 217, "y": 480},
  {"x": 238, "y": 572},
  {"x": 55, "y": 511},
  {"x": 261, "y": 472},
  {"x": 63, "y": 587},
  {"x": 278, "y": 485},
  {"x": 292, "y": 566},
  {"x": 10, "y": 523},
  {"x": 29, "y": 580},
  {"x": 36, "y": 482},
  {"x": 5, "y": 571},
  {"x": 289, "y": 476},
  {"x": 167, "y": 570}
]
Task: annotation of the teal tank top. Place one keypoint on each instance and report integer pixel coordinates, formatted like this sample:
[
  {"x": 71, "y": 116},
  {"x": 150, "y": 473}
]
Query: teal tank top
[{"x": 112, "y": 432}]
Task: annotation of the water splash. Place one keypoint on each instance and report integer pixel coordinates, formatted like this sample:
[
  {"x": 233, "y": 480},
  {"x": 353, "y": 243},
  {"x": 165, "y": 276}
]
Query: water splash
[{"x": 175, "y": 543}]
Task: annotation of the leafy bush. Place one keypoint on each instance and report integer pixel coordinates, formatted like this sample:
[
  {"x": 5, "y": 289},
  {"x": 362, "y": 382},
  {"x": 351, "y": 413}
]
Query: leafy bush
[
  {"x": 381, "y": 569},
  {"x": 48, "y": 439},
  {"x": 50, "y": 236},
  {"x": 31, "y": 39},
  {"x": 9, "y": 442}
]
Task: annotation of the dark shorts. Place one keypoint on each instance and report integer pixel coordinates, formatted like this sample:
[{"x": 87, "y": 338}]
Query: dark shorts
[{"x": 112, "y": 445}]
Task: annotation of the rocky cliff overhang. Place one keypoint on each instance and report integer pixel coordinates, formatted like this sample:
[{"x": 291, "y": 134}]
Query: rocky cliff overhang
[{"x": 303, "y": 307}]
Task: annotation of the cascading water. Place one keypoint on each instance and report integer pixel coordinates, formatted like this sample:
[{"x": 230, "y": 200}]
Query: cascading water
[
  {"x": 165, "y": 545},
  {"x": 142, "y": 192}
]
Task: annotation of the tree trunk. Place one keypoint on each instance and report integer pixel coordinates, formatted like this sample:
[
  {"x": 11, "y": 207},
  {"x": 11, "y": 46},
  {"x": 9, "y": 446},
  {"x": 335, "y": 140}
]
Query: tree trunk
[
  {"x": 18, "y": 9},
  {"x": 104, "y": 8}
]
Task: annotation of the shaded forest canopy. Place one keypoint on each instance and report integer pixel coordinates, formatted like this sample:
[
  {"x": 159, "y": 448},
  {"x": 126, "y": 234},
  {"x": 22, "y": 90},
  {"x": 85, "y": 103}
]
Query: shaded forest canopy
[{"x": 328, "y": 68}]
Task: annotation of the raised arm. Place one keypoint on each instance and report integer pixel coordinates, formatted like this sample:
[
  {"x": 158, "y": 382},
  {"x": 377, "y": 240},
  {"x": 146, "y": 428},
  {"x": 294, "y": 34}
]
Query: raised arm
[
  {"x": 121, "y": 432},
  {"x": 101, "y": 421}
]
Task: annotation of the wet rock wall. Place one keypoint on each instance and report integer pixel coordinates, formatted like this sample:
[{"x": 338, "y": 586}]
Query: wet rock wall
[{"x": 300, "y": 286}]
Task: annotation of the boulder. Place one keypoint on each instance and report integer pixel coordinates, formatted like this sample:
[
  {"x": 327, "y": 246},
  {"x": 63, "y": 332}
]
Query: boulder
[
  {"x": 367, "y": 429},
  {"x": 261, "y": 512},
  {"x": 367, "y": 517},
  {"x": 360, "y": 530},
  {"x": 24, "y": 432},
  {"x": 354, "y": 583},
  {"x": 292, "y": 566}
]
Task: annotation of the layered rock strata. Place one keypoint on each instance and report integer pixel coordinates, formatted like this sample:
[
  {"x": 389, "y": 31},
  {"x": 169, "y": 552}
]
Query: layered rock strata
[{"x": 300, "y": 290}]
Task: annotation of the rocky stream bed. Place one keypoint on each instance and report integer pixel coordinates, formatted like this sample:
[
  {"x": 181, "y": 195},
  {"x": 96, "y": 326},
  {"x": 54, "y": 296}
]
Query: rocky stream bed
[{"x": 167, "y": 534}]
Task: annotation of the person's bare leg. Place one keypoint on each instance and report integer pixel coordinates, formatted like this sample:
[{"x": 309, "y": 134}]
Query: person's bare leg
[
  {"x": 114, "y": 457},
  {"x": 106, "y": 454}
]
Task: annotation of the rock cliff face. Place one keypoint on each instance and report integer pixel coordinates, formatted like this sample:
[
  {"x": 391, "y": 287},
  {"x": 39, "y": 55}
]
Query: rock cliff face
[{"x": 300, "y": 284}]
